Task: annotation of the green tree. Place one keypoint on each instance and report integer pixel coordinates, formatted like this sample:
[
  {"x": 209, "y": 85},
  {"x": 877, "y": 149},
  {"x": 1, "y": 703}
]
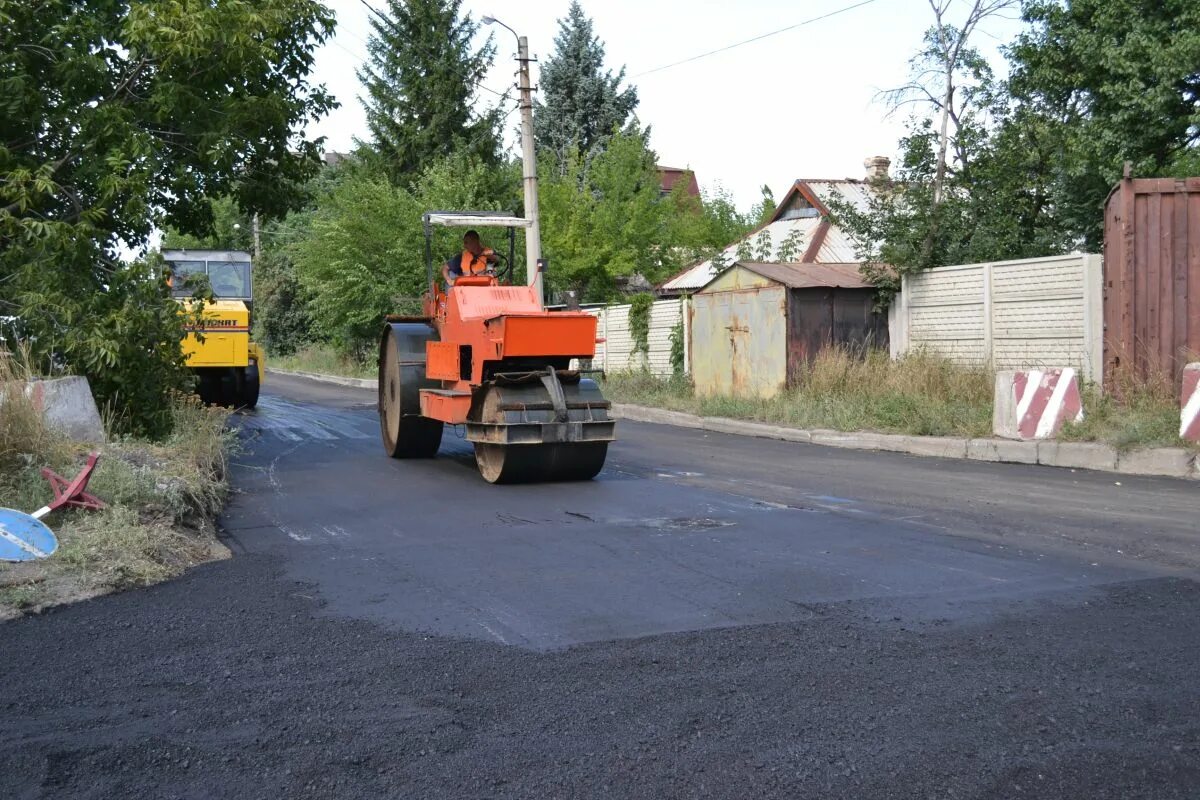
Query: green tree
[
  {"x": 1031, "y": 161},
  {"x": 699, "y": 227},
  {"x": 762, "y": 246},
  {"x": 362, "y": 256},
  {"x": 764, "y": 209},
  {"x": 1103, "y": 82},
  {"x": 603, "y": 219},
  {"x": 116, "y": 118},
  {"x": 791, "y": 248},
  {"x": 231, "y": 229},
  {"x": 584, "y": 103},
  {"x": 283, "y": 319},
  {"x": 420, "y": 79}
]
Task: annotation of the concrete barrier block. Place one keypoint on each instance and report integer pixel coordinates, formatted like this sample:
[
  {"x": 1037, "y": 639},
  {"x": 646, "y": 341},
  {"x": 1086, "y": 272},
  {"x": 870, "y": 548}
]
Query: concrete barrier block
[
  {"x": 69, "y": 407},
  {"x": 1078, "y": 455},
  {"x": 1003, "y": 450},
  {"x": 1034, "y": 404},
  {"x": 1189, "y": 404},
  {"x": 1173, "y": 461}
]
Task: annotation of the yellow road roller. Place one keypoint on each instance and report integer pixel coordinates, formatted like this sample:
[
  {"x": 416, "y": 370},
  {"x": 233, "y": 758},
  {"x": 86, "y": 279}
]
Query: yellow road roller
[{"x": 218, "y": 349}]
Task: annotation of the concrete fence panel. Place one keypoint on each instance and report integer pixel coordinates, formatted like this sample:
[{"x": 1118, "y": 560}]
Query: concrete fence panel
[
  {"x": 615, "y": 352},
  {"x": 1039, "y": 312}
]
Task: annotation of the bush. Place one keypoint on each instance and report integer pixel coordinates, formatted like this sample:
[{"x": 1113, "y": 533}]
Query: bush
[{"x": 118, "y": 326}]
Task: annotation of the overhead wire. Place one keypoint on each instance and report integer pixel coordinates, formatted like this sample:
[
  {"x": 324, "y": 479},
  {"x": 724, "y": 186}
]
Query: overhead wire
[{"x": 760, "y": 37}]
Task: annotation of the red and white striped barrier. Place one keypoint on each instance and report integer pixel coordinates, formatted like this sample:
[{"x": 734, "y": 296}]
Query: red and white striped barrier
[
  {"x": 1035, "y": 403},
  {"x": 1189, "y": 404}
]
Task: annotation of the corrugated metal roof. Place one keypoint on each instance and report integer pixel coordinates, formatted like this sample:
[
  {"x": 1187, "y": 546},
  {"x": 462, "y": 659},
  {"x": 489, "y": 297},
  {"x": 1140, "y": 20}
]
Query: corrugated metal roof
[
  {"x": 700, "y": 274},
  {"x": 809, "y": 276},
  {"x": 836, "y": 248},
  {"x": 857, "y": 193}
]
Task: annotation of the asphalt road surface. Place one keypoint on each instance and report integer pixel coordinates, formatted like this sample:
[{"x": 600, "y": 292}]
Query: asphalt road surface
[{"x": 714, "y": 616}]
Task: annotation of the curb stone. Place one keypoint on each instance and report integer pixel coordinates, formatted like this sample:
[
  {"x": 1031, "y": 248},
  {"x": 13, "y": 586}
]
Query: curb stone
[
  {"x": 1159, "y": 461},
  {"x": 1002, "y": 450},
  {"x": 655, "y": 415},
  {"x": 1078, "y": 455}
]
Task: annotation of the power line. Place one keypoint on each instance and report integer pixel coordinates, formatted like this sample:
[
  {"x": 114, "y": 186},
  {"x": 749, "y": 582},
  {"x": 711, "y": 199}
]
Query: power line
[{"x": 754, "y": 39}]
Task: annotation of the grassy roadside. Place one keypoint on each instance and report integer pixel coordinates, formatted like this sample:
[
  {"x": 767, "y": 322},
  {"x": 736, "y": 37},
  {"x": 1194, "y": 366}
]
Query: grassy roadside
[
  {"x": 162, "y": 500},
  {"x": 324, "y": 360},
  {"x": 921, "y": 394}
]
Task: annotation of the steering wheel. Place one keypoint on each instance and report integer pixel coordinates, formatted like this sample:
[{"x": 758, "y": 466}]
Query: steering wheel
[{"x": 503, "y": 269}]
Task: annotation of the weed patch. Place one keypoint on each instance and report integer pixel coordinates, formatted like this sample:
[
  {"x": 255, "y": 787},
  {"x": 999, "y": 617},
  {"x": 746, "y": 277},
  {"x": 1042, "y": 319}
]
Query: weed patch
[
  {"x": 162, "y": 498},
  {"x": 326, "y": 361}
]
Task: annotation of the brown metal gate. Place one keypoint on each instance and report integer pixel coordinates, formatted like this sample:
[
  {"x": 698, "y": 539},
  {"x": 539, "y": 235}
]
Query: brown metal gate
[{"x": 1152, "y": 275}]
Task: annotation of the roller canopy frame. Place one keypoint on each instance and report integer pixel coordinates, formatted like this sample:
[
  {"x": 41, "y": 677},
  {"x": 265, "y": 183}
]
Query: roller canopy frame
[{"x": 470, "y": 219}]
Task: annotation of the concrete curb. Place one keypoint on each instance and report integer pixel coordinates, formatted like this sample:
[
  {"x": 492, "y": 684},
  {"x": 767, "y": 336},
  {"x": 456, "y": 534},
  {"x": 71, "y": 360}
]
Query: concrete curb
[
  {"x": 356, "y": 383},
  {"x": 1171, "y": 462}
]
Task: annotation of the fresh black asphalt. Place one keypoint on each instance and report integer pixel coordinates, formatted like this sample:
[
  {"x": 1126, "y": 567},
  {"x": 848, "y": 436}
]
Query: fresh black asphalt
[{"x": 715, "y": 616}]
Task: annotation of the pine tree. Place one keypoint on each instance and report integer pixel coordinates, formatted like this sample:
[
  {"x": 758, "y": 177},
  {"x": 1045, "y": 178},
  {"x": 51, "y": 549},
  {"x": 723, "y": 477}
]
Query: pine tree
[
  {"x": 420, "y": 80},
  {"x": 584, "y": 103}
]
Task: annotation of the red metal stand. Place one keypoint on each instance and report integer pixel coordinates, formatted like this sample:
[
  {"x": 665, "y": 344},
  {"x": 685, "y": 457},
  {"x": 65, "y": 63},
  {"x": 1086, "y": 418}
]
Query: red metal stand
[{"x": 71, "y": 493}]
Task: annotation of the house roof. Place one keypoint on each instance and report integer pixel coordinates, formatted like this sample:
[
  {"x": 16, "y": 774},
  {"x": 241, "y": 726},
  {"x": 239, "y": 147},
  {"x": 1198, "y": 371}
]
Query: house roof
[
  {"x": 672, "y": 175},
  {"x": 819, "y": 240},
  {"x": 806, "y": 276}
]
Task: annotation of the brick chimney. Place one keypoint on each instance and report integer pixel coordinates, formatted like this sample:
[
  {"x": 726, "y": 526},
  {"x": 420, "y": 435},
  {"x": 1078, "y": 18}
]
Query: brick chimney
[{"x": 877, "y": 168}]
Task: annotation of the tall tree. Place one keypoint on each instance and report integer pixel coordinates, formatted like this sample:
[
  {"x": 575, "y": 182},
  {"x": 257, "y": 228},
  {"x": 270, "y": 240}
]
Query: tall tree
[
  {"x": 119, "y": 117},
  {"x": 1109, "y": 81},
  {"x": 604, "y": 219},
  {"x": 584, "y": 103},
  {"x": 421, "y": 79}
]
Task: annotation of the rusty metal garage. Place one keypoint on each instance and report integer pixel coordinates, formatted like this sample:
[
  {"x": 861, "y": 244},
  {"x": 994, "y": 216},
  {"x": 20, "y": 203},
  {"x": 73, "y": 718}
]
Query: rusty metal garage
[{"x": 754, "y": 325}]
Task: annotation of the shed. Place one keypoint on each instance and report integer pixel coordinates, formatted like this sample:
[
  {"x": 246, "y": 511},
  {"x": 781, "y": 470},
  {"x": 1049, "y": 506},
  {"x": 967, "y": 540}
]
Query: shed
[{"x": 754, "y": 326}]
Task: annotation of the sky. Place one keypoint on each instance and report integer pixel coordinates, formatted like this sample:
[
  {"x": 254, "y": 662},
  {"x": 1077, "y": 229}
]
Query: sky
[{"x": 800, "y": 104}]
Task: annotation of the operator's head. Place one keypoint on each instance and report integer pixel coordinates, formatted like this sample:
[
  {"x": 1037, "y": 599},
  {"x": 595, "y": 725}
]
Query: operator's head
[{"x": 471, "y": 243}]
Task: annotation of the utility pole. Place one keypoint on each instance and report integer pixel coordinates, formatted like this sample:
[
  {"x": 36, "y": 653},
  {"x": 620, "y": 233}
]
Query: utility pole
[
  {"x": 533, "y": 235},
  {"x": 257, "y": 237}
]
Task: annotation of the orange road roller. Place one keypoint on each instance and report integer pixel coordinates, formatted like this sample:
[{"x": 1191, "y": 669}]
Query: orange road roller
[{"x": 486, "y": 354}]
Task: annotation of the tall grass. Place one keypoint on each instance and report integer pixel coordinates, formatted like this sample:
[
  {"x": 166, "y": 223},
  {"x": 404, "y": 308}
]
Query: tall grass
[
  {"x": 24, "y": 434},
  {"x": 844, "y": 389},
  {"x": 921, "y": 394},
  {"x": 1133, "y": 411},
  {"x": 161, "y": 498},
  {"x": 326, "y": 361}
]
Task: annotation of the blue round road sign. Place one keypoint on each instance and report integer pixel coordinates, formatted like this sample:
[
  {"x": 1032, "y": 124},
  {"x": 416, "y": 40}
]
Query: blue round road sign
[{"x": 23, "y": 538}]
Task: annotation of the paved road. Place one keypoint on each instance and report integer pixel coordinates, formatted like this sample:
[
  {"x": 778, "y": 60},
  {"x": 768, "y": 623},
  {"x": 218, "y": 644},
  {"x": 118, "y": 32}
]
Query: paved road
[{"x": 714, "y": 616}]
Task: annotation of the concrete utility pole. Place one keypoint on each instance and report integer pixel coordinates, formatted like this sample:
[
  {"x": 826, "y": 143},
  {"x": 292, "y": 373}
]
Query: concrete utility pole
[{"x": 533, "y": 235}]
